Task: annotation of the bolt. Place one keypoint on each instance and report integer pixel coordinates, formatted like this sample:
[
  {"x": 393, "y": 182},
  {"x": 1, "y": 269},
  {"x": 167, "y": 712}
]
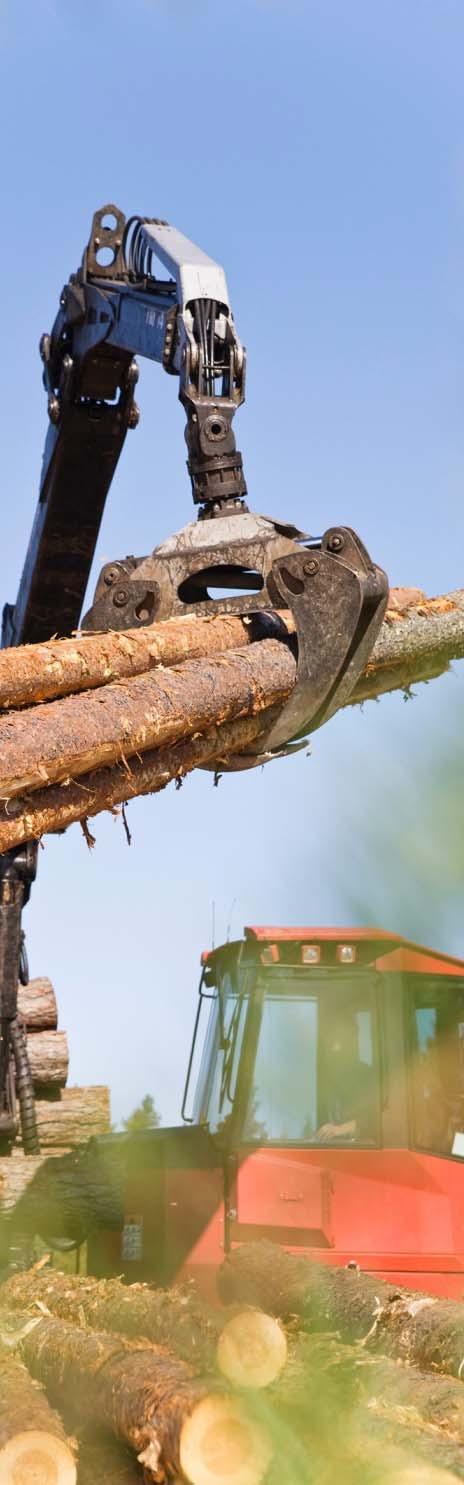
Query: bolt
[
  {"x": 311, "y": 567},
  {"x": 110, "y": 576},
  {"x": 54, "y": 409},
  {"x": 336, "y": 542},
  {"x": 120, "y": 597}
]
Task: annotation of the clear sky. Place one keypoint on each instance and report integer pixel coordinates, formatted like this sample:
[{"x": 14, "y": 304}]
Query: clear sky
[{"x": 316, "y": 149}]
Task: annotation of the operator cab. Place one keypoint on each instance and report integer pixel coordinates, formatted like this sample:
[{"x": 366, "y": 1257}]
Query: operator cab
[
  {"x": 320, "y": 1041},
  {"x": 323, "y": 1110}
]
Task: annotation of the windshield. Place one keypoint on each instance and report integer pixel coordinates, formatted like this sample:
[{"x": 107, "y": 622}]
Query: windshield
[
  {"x": 315, "y": 1077},
  {"x": 306, "y": 1070}
]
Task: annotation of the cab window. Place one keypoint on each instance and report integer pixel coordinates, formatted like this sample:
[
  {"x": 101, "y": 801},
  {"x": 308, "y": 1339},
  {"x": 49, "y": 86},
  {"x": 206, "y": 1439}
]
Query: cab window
[
  {"x": 436, "y": 1064},
  {"x": 315, "y": 1077}
]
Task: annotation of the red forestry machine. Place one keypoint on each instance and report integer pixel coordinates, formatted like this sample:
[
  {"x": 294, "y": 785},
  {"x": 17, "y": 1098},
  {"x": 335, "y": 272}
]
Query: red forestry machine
[{"x": 327, "y": 1115}]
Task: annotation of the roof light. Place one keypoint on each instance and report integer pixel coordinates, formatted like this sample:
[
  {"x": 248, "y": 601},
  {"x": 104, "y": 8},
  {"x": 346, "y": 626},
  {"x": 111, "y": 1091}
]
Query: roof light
[
  {"x": 310, "y": 953},
  {"x": 346, "y": 953},
  {"x": 270, "y": 955}
]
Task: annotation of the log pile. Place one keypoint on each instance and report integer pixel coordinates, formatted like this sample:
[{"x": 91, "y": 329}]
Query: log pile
[
  {"x": 66, "y": 1118},
  {"x": 138, "y": 1375},
  {"x": 87, "y": 723}
]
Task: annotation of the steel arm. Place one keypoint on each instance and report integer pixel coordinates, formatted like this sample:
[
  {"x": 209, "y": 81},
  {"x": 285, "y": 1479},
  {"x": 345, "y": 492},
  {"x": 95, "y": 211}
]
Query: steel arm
[{"x": 108, "y": 314}]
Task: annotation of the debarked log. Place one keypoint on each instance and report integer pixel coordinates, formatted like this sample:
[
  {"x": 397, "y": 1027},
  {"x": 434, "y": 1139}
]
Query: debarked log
[
  {"x": 33, "y": 1445},
  {"x": 248, "y": 1347},
  {"x": 35, "y": 673},
  {"x": 67, "y": 738},
  {"x": 48, "y": 1058},
  {"x": 37, "y": 1005},
  {"x": 414, "y": 1327},
  {"x": 60, "y": 805},
  {"x": 168, "y": 1414}
]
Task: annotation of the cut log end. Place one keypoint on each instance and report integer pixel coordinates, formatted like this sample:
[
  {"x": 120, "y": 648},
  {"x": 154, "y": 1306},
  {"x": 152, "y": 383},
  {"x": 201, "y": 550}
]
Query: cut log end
[
  {"x": 252, "y": 1349},
  {"x": 36, "y": 1457},
  {"x": 221, "y": 1445}
]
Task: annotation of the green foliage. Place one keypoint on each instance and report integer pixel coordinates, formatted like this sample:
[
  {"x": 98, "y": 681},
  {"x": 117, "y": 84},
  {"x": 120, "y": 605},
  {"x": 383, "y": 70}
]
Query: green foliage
[
  {"x": 406, "y": 863},
  {"x": 146, "y": 1116}
]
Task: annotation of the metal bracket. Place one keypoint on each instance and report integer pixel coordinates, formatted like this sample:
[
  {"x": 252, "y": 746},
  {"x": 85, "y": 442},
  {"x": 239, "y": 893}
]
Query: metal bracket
[{"x": 338, "y": 597}]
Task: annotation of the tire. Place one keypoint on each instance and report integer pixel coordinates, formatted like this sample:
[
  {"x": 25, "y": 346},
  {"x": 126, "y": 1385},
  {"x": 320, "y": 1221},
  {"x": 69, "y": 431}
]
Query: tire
[{"x": 24, "y": 1089}]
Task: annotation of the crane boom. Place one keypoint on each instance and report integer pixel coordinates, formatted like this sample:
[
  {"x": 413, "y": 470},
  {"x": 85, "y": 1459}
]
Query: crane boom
[{"x": 108, "y": 314}]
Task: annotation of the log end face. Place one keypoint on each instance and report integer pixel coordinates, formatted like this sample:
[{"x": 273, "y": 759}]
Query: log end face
[
  {"x": 35, "y": 1457},
  {"x": 252, "y": 1349},
  {"x": 219, "y": 1443}
]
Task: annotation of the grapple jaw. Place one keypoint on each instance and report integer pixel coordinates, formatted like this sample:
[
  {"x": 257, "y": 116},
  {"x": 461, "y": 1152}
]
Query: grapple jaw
[{"x": 336, "y": 594}]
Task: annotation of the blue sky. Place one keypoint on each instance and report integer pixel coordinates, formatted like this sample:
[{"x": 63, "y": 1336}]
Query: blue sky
[{"x": 316, "y": 149}]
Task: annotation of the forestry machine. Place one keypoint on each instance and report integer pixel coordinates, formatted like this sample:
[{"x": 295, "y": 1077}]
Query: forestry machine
[
  {"x": 119, "y": 305},
  {"x": 323, "y": 1110}
]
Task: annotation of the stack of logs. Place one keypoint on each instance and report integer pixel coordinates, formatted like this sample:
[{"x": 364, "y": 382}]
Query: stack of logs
[
  {"x": 66, "y": 1117},
  {"x": 346, "y": 1380},
  {"x": 90, "y": 722}
]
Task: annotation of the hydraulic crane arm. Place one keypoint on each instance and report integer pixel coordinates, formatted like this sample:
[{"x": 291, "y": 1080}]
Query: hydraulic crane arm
[{"x": 110, "y": 312}]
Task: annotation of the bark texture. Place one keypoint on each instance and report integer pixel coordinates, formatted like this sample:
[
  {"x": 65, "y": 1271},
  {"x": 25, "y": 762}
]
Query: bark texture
[
  {"x": 149, "y": 1399},
  {"x": 70, "y": 737},
  {"x": 102, "y": 1461},
  {"x": 174, "y": 1317},
  {"x": 73, "y": 1117},
  {"x": 34, "y": 673},
  {"x": 33, "y": 1446},
  {"x": 49, "y": 1058},
  {"x": 417, "y": 642},
  {"x": 413, "y": 1327},
  {"x": 37, "y": 1004},
  {"x": 66, "y": 1195},
  {"x": 60, "y": 805},
  {"x": 248, "y": 1347}
]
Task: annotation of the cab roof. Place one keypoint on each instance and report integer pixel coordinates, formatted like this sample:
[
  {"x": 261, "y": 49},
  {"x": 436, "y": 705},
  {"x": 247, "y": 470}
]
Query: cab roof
[{"x": 389, "y": 950}]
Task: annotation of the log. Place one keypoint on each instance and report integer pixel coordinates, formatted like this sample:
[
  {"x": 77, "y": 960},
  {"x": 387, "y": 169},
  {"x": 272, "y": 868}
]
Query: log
[
  {"x": 172, "y": 1418},
  {"x": 48, "y": 1058},
  {"x": 35, "y": 673},
  {"x": 416, "y": 643},
  {"x": 438, "y": 625},
  {"x": 33, "y": 1445},
  {"x": 74, "y": 1117},
  {"x": 102, "y": 1461},
  {"x": 37, "y": 1004},
  {"x": 60, "y": 805},
  {"x": 414, "y": 1327},
  {"x": 68, "y": 738},
  {"x": 250, "y": 1348},
  {"x": 66, "y": 1196}
]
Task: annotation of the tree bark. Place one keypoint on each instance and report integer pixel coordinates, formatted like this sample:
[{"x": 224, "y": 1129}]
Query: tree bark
[
  {"x": 171, "y": 1417},
  {"x": 33, "y": 1446},
  {"x": 48, "y": 1058},
  {"x": 73, "y": 1117},
  {"x": 37, "y": 1004},
  {"x": 34, "y": 673},
  {"x": 249, "y": 1348},
  {"x": 416, "y": 643},
  {"x": 65, "y": 1196},
  {"x": 60, "y": 805},
  {"x": 414, "y": 1327},
  {"x": 70, "y": 737},
  {"x": 102, "y": 1461}
]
